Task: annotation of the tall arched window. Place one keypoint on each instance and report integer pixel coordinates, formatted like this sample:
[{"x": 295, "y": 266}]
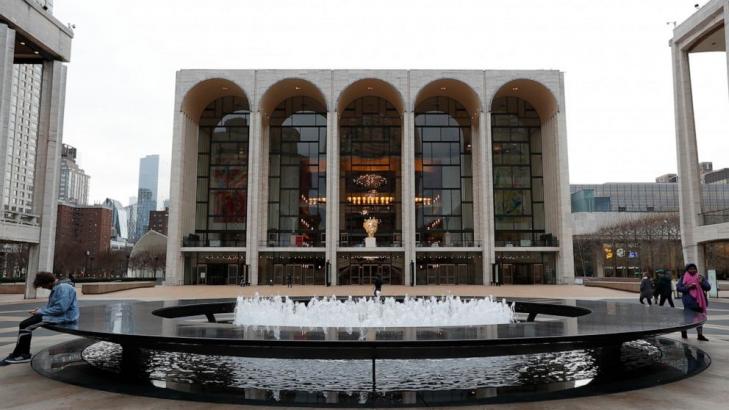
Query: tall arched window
[
  {"x": 518, "y": 177},
  {"x": 443, "y": 178},
  {"x": 297, "y": 173},
  {"x": 370, "y": 149},
  {"x": 222, "y": 173}
]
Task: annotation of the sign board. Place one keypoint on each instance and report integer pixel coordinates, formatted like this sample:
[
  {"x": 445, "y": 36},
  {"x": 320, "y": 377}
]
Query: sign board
[{"x": 714, "y": 292}]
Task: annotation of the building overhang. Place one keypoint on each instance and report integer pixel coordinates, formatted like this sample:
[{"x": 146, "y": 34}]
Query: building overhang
[{"x": 39, "y": 35}]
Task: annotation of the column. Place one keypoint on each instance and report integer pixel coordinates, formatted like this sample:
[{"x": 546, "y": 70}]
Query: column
[
  {"x": 7, "y": 53},
  {"x": 47, "y": 169},
  {"x": 408, "y": 192},
  {"x": 486, "y": 196},
  {"x": 688, "y": 161},
  {"x": 566, "y": 262},
  {"x": 332, "y": 204},
  {"x": 254, "y": 160}
]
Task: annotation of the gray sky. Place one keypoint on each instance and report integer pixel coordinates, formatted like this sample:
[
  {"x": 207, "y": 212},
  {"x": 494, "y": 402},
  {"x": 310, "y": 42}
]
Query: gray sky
[{"x": 615, "y": 55}]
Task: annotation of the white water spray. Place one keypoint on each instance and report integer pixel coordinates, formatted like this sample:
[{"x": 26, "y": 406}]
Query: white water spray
[{"x": 371, "y": 312}]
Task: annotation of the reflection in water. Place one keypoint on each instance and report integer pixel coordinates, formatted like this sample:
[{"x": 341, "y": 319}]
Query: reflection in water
[{"x": 355, "y": 375}]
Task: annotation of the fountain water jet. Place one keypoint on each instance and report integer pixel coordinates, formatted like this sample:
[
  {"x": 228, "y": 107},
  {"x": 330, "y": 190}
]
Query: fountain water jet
[{"x": 371, "y": 312}]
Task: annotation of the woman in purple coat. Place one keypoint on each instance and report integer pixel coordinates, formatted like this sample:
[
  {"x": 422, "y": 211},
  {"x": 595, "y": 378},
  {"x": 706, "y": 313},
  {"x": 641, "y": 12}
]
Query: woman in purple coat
[{"x": 694, "y": 287}]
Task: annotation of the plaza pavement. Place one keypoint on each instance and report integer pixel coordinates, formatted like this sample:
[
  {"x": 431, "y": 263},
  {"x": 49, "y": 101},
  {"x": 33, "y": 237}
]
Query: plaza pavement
[{"x": 22, "y": 388}]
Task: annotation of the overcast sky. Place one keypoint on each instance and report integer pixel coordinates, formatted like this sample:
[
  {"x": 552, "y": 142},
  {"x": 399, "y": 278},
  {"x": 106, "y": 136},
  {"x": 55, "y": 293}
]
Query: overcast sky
[{"x": 615, "y": 56}]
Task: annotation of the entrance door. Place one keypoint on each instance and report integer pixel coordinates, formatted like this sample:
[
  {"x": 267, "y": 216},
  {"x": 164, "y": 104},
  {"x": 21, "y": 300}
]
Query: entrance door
[
  {"x": 538, "y": 273},
  {"x": 217, "y": 273}
]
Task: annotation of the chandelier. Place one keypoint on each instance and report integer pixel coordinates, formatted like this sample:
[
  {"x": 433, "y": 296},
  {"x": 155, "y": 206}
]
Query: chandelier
[{"x": 370, "y": 181}]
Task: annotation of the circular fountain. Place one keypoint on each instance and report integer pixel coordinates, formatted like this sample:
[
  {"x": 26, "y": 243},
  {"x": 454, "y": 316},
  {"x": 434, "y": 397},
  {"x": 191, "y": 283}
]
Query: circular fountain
[{"x": 365, "y": 351}]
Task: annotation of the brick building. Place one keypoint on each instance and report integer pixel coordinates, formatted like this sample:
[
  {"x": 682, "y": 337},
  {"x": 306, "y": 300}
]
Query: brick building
[
  {"x": 158, "y": 221},
  {"x": 82, "y": 229}
]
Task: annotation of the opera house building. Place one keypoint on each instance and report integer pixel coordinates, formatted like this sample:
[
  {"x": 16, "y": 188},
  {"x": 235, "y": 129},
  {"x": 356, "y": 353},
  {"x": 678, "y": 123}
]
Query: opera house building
[{"x": 335, "y": 177}]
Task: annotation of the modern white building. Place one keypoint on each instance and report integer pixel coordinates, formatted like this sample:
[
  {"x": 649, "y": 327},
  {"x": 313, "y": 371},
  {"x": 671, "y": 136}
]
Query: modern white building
[
  {"x": 704, "y": 222},
  {"x": 73, "y": 186},
  {"x": 31, "y": 127},
  {"x": 460, "y": 176}
]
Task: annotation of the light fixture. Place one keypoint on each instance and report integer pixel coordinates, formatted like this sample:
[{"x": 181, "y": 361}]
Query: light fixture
[
  {"x": 370, "y": 181},
  {"x": 514, "y": 89},
  {"x": 297, "y": 88},
  {"x": 36, "y": 52},
  {"x": 224, "y": 88},
  {"x": 22, "y": 43},
  {"x": 443, "y": 88},
  {"x": 370, "y": 88}
]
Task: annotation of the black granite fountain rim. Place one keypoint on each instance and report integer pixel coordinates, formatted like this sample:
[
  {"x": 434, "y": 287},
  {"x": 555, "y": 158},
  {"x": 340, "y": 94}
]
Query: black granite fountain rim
[{"x": 609, "y": 323}]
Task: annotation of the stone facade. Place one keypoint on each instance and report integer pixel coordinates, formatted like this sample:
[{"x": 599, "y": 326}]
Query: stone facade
[
  {"x": 704, "y": 31},
  {"x": 475, "y": 90}
]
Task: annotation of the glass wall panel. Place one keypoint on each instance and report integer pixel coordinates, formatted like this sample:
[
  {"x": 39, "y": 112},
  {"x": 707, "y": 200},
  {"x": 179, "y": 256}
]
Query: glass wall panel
[
  {"x": 222, "y": 174},
  {"x": 438, "y": 268},
  {"x": 518, "y": 176},
  {"x": 287, "y": 268},
  {"x": 297, "y": 174},
  {"x": 370, "y": 149},
  {"x": 363, "y": 268},
  {"x": 443, "y": 181}
]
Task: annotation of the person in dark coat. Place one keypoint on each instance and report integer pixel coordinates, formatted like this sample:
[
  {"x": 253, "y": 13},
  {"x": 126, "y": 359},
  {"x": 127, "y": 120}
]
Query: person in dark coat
[
  {"x": 663, "y": 287},
  {"x": 646, "y": 288},
  {"x": 693, "y": 287},
  {"x": 378, "y": 286}
]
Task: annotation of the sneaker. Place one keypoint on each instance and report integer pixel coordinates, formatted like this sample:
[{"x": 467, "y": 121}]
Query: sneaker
[
  {"x": 703, "y": 338},
  {"x": 21, "y": 358}
]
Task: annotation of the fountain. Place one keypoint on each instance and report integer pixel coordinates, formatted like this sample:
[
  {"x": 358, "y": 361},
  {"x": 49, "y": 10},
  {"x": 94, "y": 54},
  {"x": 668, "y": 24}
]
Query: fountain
[{"x": 394, "y": 351}]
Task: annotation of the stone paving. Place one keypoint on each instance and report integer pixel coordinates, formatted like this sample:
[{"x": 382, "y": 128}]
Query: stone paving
[{"x": 22, "y": 388}]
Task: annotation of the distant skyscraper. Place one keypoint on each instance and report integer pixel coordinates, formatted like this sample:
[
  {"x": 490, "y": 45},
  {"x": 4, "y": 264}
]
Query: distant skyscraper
[
  {"x": 73, "y": 186},
  {"x": 146, "y": 193},
  {"x": 119, "y": 220},
  {"x": 22, "y": 138}
]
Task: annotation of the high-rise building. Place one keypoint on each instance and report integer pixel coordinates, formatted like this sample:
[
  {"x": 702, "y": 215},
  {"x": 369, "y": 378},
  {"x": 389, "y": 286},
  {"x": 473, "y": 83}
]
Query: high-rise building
[
  {"x": 146, "y": 193},
  {"x": 33, "y": 48},
  {"x": 158, "y": 221},
  {"x": 22, "y": 138},
  {"x": 73, "y": 186},
  {"x": 119, "y": 220},
  {"x": 82, "y": 233}
]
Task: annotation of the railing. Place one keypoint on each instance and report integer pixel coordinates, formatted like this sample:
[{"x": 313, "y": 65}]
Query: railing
[
  {"x": 383, "y": 241},
  {"x": 20, "y": 218},
  {"x": 528, "y": 243},
  {"x": 718, "y": 216},
  {"x": 212, "y": 243},
  {"x": 448, "y": 244}
]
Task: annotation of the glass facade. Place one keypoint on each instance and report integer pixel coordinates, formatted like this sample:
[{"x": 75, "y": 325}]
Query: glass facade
[
  {"x": 370, "y": 150},
  {"x": 517, "y": 173},
  {"x": 441, "y": 268},
  {"x": 526, "y": 268},
  {"x": 443, "y": 178},
  {"x": 362, "y": 268},
  {"x": 294, "y": 268},
  {"x": 297, "y": 174},
  {"x": 222, "y": 174}
]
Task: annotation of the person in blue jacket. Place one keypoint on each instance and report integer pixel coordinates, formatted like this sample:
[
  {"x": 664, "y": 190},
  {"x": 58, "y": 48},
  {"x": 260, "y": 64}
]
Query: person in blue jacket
[{"x": 62, "y": 307}]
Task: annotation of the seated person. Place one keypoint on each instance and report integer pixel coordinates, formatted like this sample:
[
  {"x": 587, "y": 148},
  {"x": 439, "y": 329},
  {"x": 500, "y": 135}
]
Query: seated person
[{"x": 62, "y": 307}]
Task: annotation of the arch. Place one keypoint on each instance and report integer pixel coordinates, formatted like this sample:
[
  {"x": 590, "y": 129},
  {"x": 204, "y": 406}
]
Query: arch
[
  {"x": 370, "y": 87},
  {"x": 287, "y": 88},
  {"x": 533, "y": 92},
  {"x": 203, "y": 93},
  {"x": 451, "y": 88}
]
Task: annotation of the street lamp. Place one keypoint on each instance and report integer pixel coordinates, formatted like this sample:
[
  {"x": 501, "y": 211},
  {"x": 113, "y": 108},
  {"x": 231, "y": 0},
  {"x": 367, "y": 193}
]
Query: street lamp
[{"x": 86, "y": 263}]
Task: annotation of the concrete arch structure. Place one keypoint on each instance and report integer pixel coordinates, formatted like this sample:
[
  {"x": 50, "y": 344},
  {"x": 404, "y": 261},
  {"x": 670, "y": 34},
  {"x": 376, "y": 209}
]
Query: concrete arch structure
[
  {"x": 702, "y": 223},
  {"x": 370, "y": 87},
  {"x": 203, "y": 93},
  {"x": 287, "y": 88},
  {"x": 451, "y": 88},
  {"x": 336, "y": 89}
]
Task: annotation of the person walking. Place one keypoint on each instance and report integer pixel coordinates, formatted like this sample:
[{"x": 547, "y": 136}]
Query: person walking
[
  {"x": 62, "y": 307},
  {"x": 646, "y": 288},
  {"x": 693, "y": 287},
  {"x": 290, "y": 279},
  {"x": 378, "y": 286},
  {"x": 663, "y": 287}
]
